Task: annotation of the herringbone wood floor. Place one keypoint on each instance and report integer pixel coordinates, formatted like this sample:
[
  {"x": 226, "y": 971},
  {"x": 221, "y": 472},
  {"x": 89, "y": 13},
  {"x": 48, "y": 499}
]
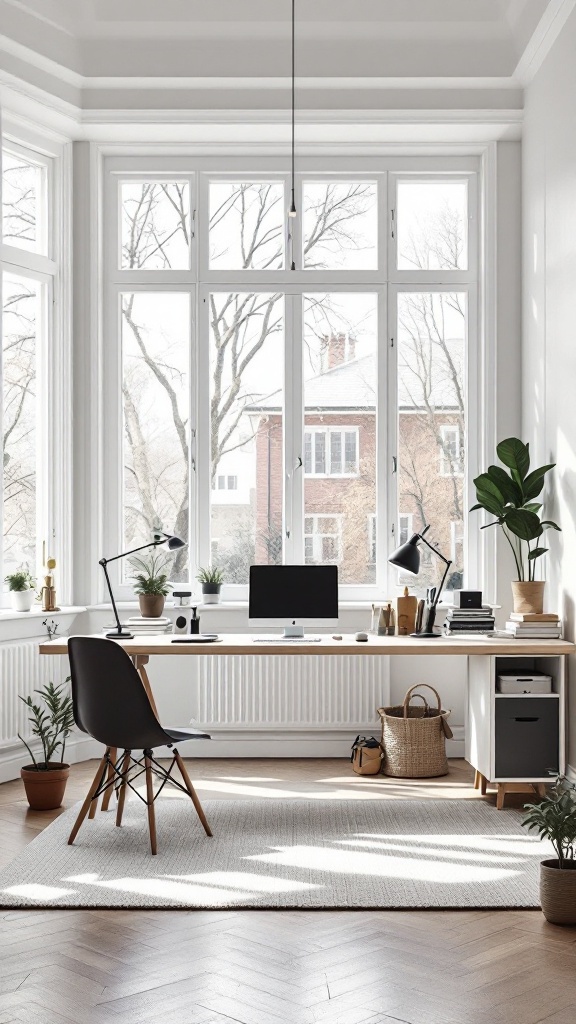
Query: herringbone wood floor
[{"x": 273, "y": 967}]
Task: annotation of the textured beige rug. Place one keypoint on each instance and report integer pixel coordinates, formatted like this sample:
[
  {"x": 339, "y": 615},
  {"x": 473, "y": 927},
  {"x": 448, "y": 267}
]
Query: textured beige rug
[{"x": 396, "y": 854}]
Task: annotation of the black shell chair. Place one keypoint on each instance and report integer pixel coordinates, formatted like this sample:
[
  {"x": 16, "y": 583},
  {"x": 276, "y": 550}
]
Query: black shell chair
[{"x": 112, "y": 706}]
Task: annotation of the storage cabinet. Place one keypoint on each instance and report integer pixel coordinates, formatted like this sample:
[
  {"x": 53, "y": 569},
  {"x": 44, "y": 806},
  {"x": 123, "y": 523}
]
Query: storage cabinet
[{"x": 514, "y": 739}]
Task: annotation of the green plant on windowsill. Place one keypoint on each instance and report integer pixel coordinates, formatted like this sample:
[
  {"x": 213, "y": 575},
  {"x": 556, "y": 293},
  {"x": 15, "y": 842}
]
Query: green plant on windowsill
[
  {"x": 151, "y": 575},
  {"x": 20, "y": 581},
  {"x": 210, "y": 576},
  {"x": 151, "y": 583}
]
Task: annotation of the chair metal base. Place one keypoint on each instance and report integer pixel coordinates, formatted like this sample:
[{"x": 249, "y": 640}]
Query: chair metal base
[{"x": 122, "y": 773}]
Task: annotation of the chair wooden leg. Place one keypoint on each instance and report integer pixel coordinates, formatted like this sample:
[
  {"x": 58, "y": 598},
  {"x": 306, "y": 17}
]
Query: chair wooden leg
[
  {"x": 476, "y": 779},
  {"x": 482, "y": 784},
  {"x": 150, "y": 800},
  {"x": 97, "y": 780},
  {"x": 192, "y": 792},
  {"x": 108, "y": 792},
  {"x": 122, "y": 793},
  {"x": 500, "y": 796}
]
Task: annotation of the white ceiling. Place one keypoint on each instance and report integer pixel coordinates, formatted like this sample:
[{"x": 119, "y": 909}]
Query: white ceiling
[{"x": 335, "y": 38}]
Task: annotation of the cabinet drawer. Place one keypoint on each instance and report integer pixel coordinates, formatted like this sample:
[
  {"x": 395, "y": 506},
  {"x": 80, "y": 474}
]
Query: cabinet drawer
[{"x": 526, "y": 737}]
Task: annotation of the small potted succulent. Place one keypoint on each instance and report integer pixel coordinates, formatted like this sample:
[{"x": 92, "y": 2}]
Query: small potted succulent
[
  {"x": 554, "y": 818},
  {"x": 151, "y": 583},
  {"x": 52, "y": 720},
  {"x": 211, "y": 580},
  {"x": 510, "y": 497},
  {"x": 22, "y": 587}
]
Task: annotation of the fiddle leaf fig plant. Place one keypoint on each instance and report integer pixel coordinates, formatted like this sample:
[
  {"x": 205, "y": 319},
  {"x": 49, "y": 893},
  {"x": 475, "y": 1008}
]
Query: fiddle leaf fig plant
[{"x": 509, "y": 496}]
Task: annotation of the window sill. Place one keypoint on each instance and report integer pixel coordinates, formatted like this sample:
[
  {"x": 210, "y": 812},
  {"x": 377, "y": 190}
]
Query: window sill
[{"x": 8, "y": 614}]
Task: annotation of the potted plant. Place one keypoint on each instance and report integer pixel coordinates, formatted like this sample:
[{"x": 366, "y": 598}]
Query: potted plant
[
  {"x": 555, "y": 819},
  {"x": 211, "y": 580},
  {"x": 151, "y": 583},
  {"x": 510, "y": 496},
  {"x": 52, "y": 721},
  {"x": 22, "y": 587}
]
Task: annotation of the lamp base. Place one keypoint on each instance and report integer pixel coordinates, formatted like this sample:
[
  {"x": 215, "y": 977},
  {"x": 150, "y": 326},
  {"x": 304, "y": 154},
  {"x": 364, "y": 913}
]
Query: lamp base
[
  {"x": 426, "y": 636},
  {"x": 122, "y": 635}
]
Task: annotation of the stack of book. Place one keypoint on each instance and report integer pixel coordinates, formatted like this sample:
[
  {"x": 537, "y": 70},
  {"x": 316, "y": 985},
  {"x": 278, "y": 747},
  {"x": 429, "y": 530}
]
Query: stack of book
[
  {"x": 469, "y": 620},
  {"x": 525, "y": 626},
  {"x": 138, "y": 625}
]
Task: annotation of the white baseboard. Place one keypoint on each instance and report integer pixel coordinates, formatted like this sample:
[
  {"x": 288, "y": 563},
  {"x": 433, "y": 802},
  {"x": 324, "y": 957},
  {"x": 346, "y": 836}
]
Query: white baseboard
[
  {"x": 265, "y": 743},
  {"x": 12, "y": 759}
]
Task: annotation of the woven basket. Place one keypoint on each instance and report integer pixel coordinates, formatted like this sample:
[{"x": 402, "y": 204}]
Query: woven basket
[{"x": 414, "y": 738}]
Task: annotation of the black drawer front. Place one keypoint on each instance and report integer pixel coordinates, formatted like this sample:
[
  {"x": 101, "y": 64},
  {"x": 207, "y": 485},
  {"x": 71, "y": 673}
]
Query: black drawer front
[{"x": 526, "y": 737}]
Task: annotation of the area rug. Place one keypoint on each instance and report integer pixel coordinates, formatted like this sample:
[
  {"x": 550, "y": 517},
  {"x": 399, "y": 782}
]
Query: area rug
[{"x": 268, "y": 854}]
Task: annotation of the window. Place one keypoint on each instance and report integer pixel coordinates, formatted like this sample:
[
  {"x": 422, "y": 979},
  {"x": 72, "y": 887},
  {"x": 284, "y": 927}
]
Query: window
[
  {"x": 273, "y": 415},
  {"x": 331, "y": 452},
  {"x": 450, "y": 453},
  {"x": 32, "y": 344},
  {"x": 405, "y": 530},
  {"x": 226, "y": 483},
  {"x": 323, "y": 540},
  {"x": 455, "y": 580}
]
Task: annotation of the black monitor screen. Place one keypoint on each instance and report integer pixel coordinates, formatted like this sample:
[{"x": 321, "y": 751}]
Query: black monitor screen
[{"x": 293, "y": 592}]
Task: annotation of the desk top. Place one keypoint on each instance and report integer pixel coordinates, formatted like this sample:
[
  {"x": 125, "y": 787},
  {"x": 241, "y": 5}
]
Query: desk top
[{"x": 244, "y": 644}]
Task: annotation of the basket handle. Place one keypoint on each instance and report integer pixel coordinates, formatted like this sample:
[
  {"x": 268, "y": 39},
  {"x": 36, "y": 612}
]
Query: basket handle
[{"x": 417, "y": 687}]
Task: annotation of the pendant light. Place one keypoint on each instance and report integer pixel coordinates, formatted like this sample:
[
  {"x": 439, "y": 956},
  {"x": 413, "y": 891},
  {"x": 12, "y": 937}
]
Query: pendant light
[{"x": 292, "y": 212}]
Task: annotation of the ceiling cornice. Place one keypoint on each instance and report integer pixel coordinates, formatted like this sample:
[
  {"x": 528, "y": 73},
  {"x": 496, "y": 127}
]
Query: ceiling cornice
[{"x": 541, "y": 42}]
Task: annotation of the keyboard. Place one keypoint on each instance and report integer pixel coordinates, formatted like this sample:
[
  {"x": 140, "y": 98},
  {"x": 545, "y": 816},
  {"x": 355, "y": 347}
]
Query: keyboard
[{"x": 286, "y": 639}]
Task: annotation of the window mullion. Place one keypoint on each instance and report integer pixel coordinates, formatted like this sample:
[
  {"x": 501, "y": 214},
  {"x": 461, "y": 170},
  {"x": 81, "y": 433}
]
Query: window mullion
[{"x": 294, "y": 434}]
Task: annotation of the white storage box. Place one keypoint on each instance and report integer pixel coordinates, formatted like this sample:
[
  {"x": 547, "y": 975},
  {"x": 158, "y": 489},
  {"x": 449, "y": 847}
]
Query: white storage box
[{"x": 529, "y": 682}]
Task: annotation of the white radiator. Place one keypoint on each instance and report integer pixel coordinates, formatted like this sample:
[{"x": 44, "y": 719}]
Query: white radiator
[
  {"x": 292, "y": 693},
  {"x": 22, "y": 671}
]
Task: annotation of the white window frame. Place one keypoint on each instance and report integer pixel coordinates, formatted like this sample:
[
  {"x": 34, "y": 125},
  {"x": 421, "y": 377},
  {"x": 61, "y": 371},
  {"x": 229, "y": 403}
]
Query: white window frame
[
  {"x": 450, "y": 467},
  {"x": 328, "y": 432},
  {"x": 51, "y": 268},
  {"x": 385, "y": 282}
]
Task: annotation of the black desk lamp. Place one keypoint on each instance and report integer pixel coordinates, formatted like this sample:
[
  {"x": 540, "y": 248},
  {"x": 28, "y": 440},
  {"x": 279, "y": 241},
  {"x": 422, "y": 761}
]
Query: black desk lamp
[
  {"x": 159, "y": 538},
  {"x": 407, "y": 557}
]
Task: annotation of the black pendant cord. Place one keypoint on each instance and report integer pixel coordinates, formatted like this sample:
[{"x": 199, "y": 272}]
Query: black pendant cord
[{"x": 292, "y": 211}]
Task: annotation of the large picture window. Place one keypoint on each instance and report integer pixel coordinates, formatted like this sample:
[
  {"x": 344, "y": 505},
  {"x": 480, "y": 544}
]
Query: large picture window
[
  {"x": 30, "y": 482},
  {"x": 291, "y": 390}
]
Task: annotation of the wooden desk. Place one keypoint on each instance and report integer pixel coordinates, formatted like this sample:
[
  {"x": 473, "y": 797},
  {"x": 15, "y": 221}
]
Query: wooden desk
[
  {"x": 484, "y": 656},
  {"x": 238, "y": 643}
]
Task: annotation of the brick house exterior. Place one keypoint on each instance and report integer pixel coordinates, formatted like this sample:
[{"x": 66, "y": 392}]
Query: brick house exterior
[{"x": 340, "y": 506}]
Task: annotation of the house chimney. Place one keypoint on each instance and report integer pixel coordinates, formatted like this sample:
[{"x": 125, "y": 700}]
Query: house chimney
[{"x": 337, "y": 349}]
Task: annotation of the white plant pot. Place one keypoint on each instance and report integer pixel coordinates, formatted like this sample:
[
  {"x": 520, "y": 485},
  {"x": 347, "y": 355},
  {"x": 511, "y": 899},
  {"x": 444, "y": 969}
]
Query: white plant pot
[{"x": 22, "y": 600}]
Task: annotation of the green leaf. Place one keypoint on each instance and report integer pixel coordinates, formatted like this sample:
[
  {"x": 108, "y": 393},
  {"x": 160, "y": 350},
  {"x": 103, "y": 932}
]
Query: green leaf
[
  {"x": 506, "y": 485},
  {"x": 533, "y": 506},
  {"x": 547, "y": 524},
  {"x": 515, "y": 455},
  {"x": 536, "y": 553},
  {"x": 489, "y": 502},
  {"x": 476, "y": 507},
  {"x": 523, "y": 524},
  {"x": 534, "y": 482}
]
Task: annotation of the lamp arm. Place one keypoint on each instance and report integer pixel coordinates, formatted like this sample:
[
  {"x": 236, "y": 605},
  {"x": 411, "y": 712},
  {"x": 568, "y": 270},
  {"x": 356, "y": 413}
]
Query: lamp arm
[
  {"x": 435, "y": 550},
  {"x": 153, "y": 544},
  {"x": 447, "y": 562},
  {"x": 108, "y": 584}
]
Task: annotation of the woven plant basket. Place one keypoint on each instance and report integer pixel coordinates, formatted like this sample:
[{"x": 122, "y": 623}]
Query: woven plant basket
[
  {"x": 558, "y": 891},
  {"x": 414, "y": 738}
]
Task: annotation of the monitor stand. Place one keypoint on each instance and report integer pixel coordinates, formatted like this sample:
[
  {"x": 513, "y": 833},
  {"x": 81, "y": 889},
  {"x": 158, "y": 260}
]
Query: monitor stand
[{"x": 293, "y": 632}]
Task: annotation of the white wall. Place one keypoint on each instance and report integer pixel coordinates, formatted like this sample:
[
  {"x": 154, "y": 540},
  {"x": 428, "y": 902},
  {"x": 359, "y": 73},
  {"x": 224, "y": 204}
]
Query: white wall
[{"x": 549, "y": 321}]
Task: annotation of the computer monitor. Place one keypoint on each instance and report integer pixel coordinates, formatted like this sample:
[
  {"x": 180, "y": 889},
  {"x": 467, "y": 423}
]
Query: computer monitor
[{"x": 293, "y": 596}]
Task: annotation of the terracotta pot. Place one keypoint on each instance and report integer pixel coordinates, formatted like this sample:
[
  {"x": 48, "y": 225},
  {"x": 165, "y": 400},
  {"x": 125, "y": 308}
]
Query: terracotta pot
[
  {"x": 558, "y": 891},
  {"x": 45, "y": 788},
  {"x": 151, "y": 605},
  {"x": 528, "y": 597}
]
